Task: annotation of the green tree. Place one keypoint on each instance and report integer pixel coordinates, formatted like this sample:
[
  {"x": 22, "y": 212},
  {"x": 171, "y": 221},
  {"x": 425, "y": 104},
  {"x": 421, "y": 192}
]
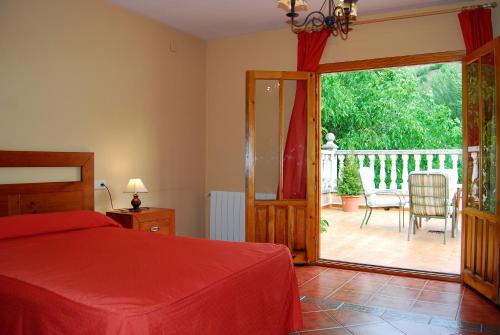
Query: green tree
[{"x": 397, "y": 108}]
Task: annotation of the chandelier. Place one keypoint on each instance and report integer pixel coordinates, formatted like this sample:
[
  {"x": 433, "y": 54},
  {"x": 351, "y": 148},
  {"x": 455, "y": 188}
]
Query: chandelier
[{"x": 335, "y": 16}]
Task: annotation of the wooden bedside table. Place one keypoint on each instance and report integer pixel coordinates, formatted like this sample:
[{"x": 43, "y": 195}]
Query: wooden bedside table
[{"x": 154, "y": 220}]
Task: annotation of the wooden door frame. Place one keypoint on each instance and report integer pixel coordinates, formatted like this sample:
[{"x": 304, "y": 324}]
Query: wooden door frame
[
  {"x": 471, "y": 279},
  {"x": 372, "y": 64},
  {"x": 313, "y": 155}
]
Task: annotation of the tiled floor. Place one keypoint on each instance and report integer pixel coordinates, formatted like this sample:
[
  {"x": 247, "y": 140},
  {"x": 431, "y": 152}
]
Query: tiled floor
[
  {"x": 381, "y": 243},
  {"x": 338, "y": 301}
]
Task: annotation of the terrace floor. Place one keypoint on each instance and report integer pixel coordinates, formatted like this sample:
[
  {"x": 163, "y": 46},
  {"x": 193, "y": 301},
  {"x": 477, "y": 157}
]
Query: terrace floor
[{"x": 380, "y": 243}]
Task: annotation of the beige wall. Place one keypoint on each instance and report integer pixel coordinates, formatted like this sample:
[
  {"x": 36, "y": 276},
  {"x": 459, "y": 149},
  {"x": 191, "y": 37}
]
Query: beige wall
[
  {"x": 228, "y": 59},
  {"x": 495, "y": 17},
  {"x": 89, "y": 76}
]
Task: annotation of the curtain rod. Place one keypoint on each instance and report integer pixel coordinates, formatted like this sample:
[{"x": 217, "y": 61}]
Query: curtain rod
[{"x": 425, "y": 13}]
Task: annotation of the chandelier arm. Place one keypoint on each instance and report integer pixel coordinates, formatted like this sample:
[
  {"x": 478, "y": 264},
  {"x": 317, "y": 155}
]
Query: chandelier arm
[
  {"x": 324, "y": 3},
  {"x": 308, "y": 19},
  {"x": 337, "y": 18},
  {"x": 342, "y": 20}
]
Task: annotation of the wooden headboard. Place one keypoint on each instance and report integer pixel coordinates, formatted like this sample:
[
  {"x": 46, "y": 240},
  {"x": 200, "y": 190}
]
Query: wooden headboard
[{"x": 29, "y": 198}]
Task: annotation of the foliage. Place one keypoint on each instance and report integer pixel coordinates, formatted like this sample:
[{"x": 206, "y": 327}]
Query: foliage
[
  {"x": 415, "y": 107},
  {"x": 324, "y": 225},
  {"x": 349, "y": 182}
]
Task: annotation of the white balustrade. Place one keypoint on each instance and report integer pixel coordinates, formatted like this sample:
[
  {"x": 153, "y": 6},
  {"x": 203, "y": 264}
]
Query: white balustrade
[
  {"x": 404, "y": 185},
  {"x": 332, "y": 164},
  {"x": 382, "y": 185},
  {"x": 361, "y": 159},
  {"x": 417, "y": 158},
  {"x": 429, "y": 161},
  {"x": 454, "y": 162},
  {"x": 324, "y": 176},
  {"x": 341, "y": 164},
  {"x": 371, "y": 158},
  {"x": 442, "y": 157},
  {"x": 394, "y": 160}
]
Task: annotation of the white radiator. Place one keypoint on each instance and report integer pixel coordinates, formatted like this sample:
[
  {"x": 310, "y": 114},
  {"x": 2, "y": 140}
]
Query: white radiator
[{"x": 227, "y": 216}]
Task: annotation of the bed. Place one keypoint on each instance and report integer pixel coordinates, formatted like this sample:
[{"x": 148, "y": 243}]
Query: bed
[{"x": 65, "y": 269}]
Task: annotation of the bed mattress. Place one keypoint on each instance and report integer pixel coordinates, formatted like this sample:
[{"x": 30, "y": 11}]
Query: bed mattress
[{"x": 81, "y": 273}]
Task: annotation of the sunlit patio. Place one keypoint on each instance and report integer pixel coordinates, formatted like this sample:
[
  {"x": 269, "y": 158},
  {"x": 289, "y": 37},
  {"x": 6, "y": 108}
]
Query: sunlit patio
[{"x": 380, "y": 242}]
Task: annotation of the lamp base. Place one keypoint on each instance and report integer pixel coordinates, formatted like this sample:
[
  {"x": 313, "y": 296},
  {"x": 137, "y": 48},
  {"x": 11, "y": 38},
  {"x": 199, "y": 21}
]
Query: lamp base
[{"x": 136, "y": 203}]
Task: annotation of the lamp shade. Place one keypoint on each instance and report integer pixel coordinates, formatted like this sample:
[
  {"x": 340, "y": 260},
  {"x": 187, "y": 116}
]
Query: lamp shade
[
  {"x": 300, "y": 5},
  {"x": 135, "y": 185},
  {"x": 352, "y": 5}
]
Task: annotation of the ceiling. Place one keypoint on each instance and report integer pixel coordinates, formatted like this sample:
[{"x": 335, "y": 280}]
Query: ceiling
[{"x": 212, "y": 19}]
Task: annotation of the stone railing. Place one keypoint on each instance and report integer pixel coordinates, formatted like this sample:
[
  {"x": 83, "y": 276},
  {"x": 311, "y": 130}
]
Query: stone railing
[{"x": 332, "y": 164}]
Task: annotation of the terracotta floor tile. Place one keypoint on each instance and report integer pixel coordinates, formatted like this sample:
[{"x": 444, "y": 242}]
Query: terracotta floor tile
[
  {"x": 364, "y": 312},
  {"x": 318, "y": 320},
  {"x": 353, "y": 297},
  {"x": 363, "y": 285},
  {"x": 415, "y": 283},
  {"x": 442, "y": 286},
  {"x": 456, "y": 325},
  {"x": 434, "y": 309},
  {"x": 305, "y": 273},
  {"x": 472, "y": 297},
  {"x": 491, "y": 329},
  {"x": 347, "y": 317},
  {"x": 399, "y": 291},
  {"x": 315, "y": 291},
  {"x": 318, "y": 304},
  {"x": 326, "y": 281},
  {"x": 309, "y": 307},
  {"x": 373, "y": 277},
  {"x": 440, "y": 297},
  {"x": 489, "y": 314},
  {"x": 392, "y": 315},
  {"x": 412, "y": 328},
  {"x": 375, "y": 329},
  {"x": 397, "y": 303},
  {"x": 338, "y": 274}
]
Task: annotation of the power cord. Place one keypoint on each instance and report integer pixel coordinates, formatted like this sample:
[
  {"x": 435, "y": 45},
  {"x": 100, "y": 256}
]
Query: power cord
[{"x": 109, "y": 193}]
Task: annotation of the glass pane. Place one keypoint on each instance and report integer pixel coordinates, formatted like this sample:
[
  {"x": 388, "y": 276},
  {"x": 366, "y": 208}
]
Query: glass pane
[
  {"x": 473, "y": 134},
  {"x": 267, "y": 153},
  {"x": 488, "y": 131},
  {"x": 295, "y": 139}
]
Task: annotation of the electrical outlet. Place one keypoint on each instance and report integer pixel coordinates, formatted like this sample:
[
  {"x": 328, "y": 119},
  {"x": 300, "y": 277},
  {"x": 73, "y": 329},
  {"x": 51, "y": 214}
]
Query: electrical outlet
[{"x": 99, "y": 184}]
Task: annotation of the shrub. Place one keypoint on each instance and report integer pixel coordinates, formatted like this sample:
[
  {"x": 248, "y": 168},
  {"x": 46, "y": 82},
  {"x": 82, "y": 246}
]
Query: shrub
[{"x": 349, "y": 183}]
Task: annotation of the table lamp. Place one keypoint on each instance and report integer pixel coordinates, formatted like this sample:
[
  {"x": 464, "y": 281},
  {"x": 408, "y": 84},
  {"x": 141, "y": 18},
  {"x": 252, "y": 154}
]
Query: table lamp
[{"x": 135, "y": 186}]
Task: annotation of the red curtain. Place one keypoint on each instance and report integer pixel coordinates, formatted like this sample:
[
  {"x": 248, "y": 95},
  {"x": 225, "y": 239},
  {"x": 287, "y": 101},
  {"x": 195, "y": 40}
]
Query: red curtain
[
  {"x": 310, "y": 49},
  {"x": 476, "y": 27}
]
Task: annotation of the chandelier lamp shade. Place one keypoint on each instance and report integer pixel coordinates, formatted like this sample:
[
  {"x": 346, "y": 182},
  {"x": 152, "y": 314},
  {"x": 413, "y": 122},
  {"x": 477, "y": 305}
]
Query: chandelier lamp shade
[{"x": 335, "y": 16}]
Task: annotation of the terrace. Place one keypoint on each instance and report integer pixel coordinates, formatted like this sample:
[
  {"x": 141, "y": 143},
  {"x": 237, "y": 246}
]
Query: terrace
[{"x": 380, "y": 242}]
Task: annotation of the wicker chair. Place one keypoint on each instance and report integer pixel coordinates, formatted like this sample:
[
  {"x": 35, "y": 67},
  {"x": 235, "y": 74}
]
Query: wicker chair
[
  {"x": 372, "y": 201},
  {"x": 430, "y": 197}
]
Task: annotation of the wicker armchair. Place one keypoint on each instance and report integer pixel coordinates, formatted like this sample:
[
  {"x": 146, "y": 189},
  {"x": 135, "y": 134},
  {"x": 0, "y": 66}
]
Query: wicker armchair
[{"x": 430, "y": 197}]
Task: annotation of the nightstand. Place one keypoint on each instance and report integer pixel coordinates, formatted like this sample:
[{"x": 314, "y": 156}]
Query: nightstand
[{"x": 153, "y": 220}]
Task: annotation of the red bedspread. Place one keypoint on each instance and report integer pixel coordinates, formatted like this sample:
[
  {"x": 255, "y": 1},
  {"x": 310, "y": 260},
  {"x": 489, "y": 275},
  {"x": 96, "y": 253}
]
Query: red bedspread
[{"x": 99, "y": 279}]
